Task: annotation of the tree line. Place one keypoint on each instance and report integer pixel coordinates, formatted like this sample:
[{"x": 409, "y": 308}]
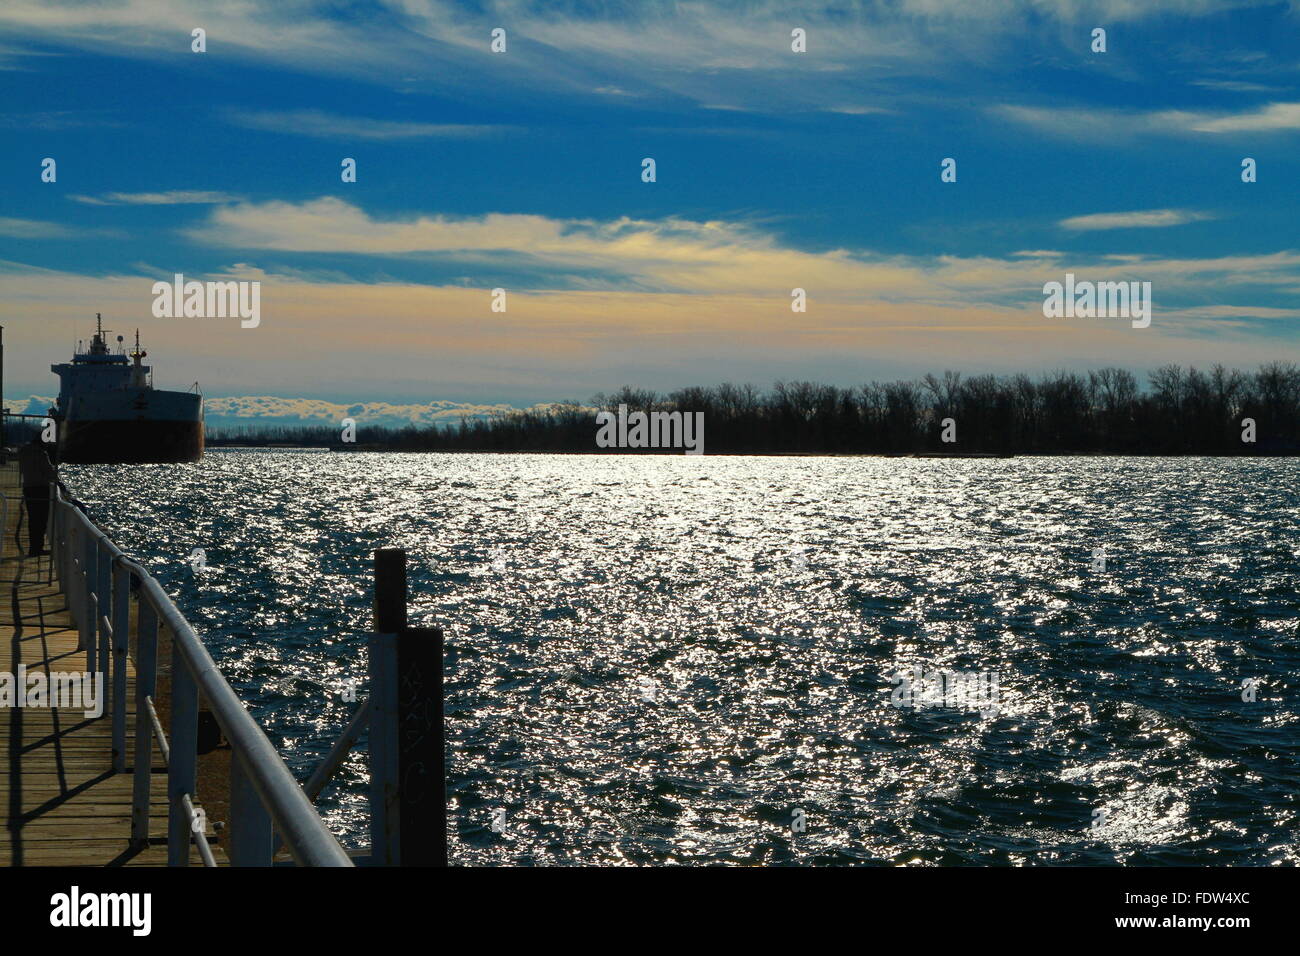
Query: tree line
[{"x": 1177, "y": 411}]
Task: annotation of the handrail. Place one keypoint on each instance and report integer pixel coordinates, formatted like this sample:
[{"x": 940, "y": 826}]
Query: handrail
[
  {"x": 309, "y": 841},
  {"x": 333, "y": 760},
  {"x": 326, "y": 769},
  {"x": 159, "y": 734},
  {"x": 96, "y": 574},
  {"x": 201, "y": 838}
]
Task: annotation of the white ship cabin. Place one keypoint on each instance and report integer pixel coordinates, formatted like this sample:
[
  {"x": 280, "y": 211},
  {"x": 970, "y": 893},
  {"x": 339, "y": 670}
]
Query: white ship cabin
[{"x": 98, "y": 369}]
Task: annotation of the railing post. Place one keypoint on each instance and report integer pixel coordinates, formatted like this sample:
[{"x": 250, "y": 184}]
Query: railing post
[
  {"x": 251, "y": 836},
  {"x": 52, "y": 535},
  {"x": 182, "y": 763},
  {"x": 74, "y": 566},
  {"x": 86, "y": 629},
  {"x": 72, "y": 563},
  {"x": 69, "y": 569},
  {"x": 51, "y": 531},
  {"x": 86, "y": 582},
  {"x": 103, "y": 603},
  {"x": 61, "y": 524},
  {"x": 121, "y": 622},
  {"x": 146, "y": 678}
]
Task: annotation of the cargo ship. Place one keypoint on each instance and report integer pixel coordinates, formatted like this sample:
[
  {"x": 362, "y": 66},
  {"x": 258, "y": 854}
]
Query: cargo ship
[{"x": 108, "y": 411}]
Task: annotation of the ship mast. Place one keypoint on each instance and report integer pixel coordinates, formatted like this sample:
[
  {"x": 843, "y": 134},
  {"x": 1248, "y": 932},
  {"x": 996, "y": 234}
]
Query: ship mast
[
  {"x": 137, "y": 373},
  {"x": 98, "y": 346}
]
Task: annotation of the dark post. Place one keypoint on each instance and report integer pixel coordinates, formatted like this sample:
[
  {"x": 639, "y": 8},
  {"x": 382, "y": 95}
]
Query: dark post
[
  {"x": 422, "y": 792},
  {"x": 390, "y": 590},
  {"x": 410, "y": 719}
]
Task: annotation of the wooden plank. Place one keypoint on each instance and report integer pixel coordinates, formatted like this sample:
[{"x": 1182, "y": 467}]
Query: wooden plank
[{"x": 61, "y": 803}]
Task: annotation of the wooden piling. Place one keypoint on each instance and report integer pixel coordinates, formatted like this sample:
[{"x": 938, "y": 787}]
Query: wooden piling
[{"x": 408, "y": 801}]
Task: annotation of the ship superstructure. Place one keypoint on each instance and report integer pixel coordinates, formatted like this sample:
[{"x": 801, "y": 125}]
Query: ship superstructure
[{"x": 109, "y": 412}]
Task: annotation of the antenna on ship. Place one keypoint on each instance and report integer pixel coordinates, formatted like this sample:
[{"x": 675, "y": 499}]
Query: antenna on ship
[
  {"x": 137, "y": 373},
  {"x": 97, "y": 345}
]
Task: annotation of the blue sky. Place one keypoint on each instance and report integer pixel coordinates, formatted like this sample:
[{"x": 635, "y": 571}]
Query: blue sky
[{"x": 521, "y": 170}]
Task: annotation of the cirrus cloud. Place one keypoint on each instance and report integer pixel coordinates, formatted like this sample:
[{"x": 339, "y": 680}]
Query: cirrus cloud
[
  {"x": 175, "y": 197},
  {"x": 323, "y": 125},
  {"x": 1145, "y": 219}
]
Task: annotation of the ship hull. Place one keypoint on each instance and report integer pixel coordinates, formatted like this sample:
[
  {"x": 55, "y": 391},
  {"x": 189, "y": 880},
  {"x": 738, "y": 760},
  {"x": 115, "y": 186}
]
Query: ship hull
[
  {"x": 108, "y": 411},
  {"x": 130, "y": 442}
]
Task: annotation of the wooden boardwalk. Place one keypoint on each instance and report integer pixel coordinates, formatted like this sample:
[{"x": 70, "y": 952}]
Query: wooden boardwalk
[{"x": 61, "y": 802}]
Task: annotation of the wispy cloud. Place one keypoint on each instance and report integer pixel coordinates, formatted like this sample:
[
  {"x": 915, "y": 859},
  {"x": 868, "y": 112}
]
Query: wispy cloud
[
  {"x": 1094, "y": 123},
  {"x": 1267, "y": 119},
  {"x": 175, "y": 197},
  {"x": 734, "y": 52},
  {"x": 16, "y": 58},
  {"x": 1147, "y": 219},
  {"x": 706, "y": 258},
  {"x": 1235, "y": 86},
  {"x": 33, "y": 229},
  {"x": 856, "y": 110},
  {"x": 324, "y": 125},
  {"x": 52, "y": 120}
]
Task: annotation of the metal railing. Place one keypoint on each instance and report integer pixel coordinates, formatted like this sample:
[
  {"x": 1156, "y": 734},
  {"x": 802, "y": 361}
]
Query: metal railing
[{"x": 266, "y": 801}]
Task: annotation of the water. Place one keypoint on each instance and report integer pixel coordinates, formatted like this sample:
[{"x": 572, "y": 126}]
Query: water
[{"x": 669, "y": 659}]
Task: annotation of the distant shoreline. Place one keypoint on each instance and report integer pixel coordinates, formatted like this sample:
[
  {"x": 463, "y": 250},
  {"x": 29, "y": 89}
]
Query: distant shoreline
[
  {"x": 1104, "y": 413},
  {"x": 1222, "y": 413},
  {"x": 675, "y": 453}
]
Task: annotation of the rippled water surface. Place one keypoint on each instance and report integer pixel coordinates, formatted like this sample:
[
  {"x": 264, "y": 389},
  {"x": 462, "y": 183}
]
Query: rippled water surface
[{"x": 673, "y": 659}]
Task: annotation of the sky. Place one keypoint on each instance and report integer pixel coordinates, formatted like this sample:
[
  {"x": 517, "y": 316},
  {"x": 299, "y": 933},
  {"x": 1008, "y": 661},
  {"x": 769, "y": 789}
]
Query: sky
[{"x": 522, "y": 170}]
